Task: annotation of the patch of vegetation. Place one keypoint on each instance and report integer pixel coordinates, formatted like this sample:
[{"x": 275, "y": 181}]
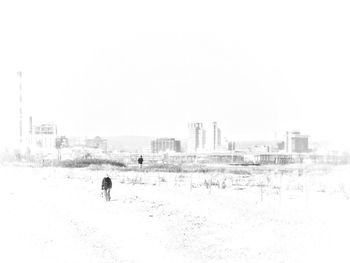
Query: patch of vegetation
[
  {"x": 241, "y": 171},
  {"x": 175, "y": 168},
  {"x": 82, "y": 163}
]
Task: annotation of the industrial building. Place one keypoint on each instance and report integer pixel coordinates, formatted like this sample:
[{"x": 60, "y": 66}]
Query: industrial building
[
  {"x": 97, "y": 143},
  {"x": 280, "y": 146},
  {"x": 260, "y": 149},
  {"x": 231, "y": 146},
  {"x": 62, "y": 142},
  {"x": 196, "y": 137},
  {"x": 42, "y": 136},
  {"x": 165, "y": 145},
  {"x": 296, "y": 142}
]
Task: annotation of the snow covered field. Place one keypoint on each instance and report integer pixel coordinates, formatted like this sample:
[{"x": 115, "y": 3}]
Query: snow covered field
[{"x": 58, "y": 215}]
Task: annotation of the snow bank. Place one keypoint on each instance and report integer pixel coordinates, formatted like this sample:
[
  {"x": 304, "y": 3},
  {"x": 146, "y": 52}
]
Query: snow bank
[{"x": 58, "y": 215}]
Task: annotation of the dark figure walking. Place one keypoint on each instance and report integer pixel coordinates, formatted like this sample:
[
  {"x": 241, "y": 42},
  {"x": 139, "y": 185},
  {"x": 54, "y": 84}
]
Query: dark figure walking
[
  {"x": 106, "y": 187},
  {"x": 140, "y": 161}
]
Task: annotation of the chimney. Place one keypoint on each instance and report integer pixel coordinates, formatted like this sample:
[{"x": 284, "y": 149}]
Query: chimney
[{"x": 30, "y": 125}]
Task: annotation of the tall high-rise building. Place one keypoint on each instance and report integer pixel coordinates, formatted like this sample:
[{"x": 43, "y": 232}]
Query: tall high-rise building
[
  {"x": 203, "y": 135},
  {"x": 196, "y": 137},
  {"x": 218, "y": 137},
  {"x": 296, "y": 143},
  {"x": 215, "y": 143},
  {"x": 214, "y": 135}
]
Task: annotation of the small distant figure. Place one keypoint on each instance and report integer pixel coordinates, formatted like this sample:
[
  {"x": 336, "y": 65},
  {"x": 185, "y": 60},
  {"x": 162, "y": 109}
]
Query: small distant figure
[
  {"x": 106, "y": 188},
  {"x": 140, "y": 161}
]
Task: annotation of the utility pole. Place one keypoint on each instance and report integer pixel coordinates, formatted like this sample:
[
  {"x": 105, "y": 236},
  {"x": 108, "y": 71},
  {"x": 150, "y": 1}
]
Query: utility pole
[{"x": 232, "y": 152}]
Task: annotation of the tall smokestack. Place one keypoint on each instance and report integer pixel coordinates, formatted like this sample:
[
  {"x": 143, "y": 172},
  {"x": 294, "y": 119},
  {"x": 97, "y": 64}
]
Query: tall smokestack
[
  {"x": 19, "y": 73},
  {"x": 30, "y": 125},
  {"x": 214, "y": 132}
]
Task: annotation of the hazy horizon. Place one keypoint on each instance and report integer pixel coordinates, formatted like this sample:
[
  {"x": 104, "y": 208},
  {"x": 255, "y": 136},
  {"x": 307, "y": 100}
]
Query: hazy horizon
[{"x": 149, "y": 68}]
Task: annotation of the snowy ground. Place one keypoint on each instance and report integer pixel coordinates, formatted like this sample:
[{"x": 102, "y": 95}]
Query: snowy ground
[{"x": 58, "y": 215}]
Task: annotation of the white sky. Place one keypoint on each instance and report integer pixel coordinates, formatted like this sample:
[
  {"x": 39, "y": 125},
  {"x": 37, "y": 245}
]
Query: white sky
[{"x": 259, "y": 68}]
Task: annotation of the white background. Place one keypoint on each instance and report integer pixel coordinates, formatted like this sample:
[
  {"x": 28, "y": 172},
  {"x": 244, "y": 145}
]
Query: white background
[{"x": 150, "y": 67}]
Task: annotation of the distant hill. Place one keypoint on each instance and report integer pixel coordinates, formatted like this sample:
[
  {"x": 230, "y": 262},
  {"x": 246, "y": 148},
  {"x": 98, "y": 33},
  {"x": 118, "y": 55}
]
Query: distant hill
[
  {"x": 121, "y": 143},
  {"x": 129, "y": 143}
]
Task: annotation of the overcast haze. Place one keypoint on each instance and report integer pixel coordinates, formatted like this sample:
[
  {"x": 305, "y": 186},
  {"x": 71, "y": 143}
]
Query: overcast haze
[{"x": 259, "y": 68}]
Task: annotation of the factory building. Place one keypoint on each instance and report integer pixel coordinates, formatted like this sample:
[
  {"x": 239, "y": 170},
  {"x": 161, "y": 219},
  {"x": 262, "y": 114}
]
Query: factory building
[
  {"x": 165, "y": 145},
  {"x": 296, "y": 142}
]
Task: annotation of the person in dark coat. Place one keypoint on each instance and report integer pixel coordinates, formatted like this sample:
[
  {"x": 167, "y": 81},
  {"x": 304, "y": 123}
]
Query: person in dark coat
[
  {"x": 140, "y": 161},
  {"x": 106, "y": 188}
]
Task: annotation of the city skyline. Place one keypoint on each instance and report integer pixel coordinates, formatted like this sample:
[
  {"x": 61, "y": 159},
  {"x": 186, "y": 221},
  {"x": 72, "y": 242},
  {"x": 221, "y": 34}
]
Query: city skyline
[
  {"x": 255, "y": 68},
  {"x": 236, "y": 136},
  {"x": 200, "y": 138}
]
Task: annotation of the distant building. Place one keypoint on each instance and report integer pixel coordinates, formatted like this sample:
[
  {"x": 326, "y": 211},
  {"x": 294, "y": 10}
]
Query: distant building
[
  {"x": 62, "y": 142},
  {"x": 231, "y": 146},
  {"x": 97, "y": 143},
  {"x": 214, "y": 135},
  {"x": 218, "y": 137},
  {"x": 215, "y": 143},
  {"x": 196, "y": 137},
  {"x": 260, "y": 149},
  {"x": 165, "y": 145},
  {"x": 201, "y": 140},
  {"x": 296, "y": 143},
  {"x": 44, "y": 136},
  {"x": 280, "y": 146}
]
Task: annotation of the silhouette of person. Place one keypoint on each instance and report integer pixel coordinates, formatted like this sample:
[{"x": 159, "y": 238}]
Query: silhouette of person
[
  {"x": 140, "y": 161},
  {"x": 106, "y": 187}
]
